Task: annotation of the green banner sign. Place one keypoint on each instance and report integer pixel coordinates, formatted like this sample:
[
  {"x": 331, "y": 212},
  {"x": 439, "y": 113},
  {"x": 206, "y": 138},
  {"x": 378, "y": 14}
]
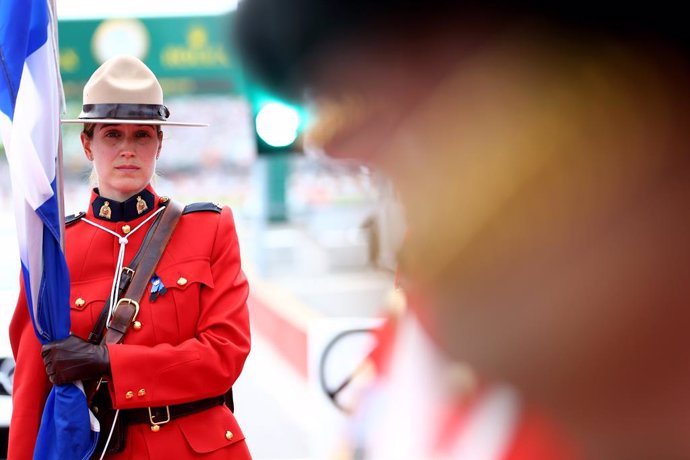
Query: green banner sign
[{"x": 189, "y": 55}]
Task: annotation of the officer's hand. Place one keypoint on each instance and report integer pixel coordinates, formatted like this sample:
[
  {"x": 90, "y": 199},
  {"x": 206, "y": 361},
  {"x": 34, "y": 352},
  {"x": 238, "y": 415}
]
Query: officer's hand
[{"x": 73, "y": 359}]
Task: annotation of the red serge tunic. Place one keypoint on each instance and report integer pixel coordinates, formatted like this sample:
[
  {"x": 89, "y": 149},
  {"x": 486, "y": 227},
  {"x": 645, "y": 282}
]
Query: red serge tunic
[{"x": 192, "y": 343}]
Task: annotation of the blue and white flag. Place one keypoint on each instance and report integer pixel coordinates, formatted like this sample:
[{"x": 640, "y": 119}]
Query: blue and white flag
[{"x": 30, "y": 106}]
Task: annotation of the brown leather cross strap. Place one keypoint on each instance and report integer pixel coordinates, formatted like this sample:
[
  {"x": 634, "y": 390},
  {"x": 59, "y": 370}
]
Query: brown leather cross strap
[{"x": 126, "y": 309}]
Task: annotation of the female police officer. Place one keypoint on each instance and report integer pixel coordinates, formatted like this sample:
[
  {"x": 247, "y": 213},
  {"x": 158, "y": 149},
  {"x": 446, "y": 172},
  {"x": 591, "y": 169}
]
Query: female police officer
[{"x": 191, "y": 337}]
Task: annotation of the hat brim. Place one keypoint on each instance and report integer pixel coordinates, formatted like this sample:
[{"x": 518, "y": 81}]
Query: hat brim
[{"x": 121, "y": 121}]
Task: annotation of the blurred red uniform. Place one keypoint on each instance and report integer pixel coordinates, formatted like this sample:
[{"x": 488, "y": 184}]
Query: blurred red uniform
[{"x": 421, "y": 404}]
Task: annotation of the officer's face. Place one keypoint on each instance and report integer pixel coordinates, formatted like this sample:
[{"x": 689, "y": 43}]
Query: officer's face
[{"x": 124, "y": 157}]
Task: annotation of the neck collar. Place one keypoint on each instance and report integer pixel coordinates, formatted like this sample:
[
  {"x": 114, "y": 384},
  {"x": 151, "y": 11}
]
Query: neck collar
[{"x": 136, "y": 206}]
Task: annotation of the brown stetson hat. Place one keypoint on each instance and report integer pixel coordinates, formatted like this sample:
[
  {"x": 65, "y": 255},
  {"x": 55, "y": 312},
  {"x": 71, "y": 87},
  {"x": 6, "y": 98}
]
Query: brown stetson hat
[{"x": 123, "y": 90}]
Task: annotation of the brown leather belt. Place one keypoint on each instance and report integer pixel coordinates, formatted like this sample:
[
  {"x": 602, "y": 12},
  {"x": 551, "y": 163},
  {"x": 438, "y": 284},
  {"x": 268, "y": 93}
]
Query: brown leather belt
[{"x": 164, "y": 414}]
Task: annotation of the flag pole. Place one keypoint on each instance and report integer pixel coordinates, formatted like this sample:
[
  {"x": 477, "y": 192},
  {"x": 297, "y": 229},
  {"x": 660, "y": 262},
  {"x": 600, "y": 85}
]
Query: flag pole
[
  {"x": 59, "y": 171},
  {"x": 60, "y": 191}
]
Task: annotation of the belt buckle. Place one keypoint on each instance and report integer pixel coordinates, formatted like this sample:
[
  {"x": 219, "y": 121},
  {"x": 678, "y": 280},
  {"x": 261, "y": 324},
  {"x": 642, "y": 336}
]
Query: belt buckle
[
  {"x": 155, "y": 425},
  {"x": 133, "y": 302}
]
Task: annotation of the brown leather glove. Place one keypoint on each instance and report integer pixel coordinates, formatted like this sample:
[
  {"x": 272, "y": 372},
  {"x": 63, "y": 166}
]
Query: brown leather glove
[{"x": 73, "y": 358}]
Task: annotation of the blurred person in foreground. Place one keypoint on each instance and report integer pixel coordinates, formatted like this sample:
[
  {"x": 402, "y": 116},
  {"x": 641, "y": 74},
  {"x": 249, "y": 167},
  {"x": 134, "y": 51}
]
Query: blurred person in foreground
[
  {"x": 541, "y": 155},
  {"x": 187, "y": 342}
]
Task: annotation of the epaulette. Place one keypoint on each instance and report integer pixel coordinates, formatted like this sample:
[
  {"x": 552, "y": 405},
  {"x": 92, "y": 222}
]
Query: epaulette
[
  {"x": 72, "y": 218},
  {"x": 200, "y": 207}
]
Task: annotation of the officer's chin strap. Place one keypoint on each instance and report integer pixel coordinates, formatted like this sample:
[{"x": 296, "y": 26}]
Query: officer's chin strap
[
  {"x": 113, "y": 292},
  {"x": 120, "y": 256},
  {"x": 110, "y": 435}
]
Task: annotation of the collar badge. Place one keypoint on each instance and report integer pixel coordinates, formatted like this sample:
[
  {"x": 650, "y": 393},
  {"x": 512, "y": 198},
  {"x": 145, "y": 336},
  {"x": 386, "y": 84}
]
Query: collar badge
[
  {"x": 105, "y": 211},
  {"x": 141, "y": 205}
]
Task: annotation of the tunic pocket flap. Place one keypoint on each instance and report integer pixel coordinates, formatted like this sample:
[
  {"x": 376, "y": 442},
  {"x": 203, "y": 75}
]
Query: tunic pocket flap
[
  {"x": 183, "y": 274},
  {"x": 211, "y": 429},
  {"x": 86, "y": 293}
]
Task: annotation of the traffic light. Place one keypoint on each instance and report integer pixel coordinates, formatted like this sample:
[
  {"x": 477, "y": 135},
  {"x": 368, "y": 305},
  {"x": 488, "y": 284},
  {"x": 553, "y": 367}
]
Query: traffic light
[
  {"x": 278, "y": 124},
  {"x": 277, "y": 127}
]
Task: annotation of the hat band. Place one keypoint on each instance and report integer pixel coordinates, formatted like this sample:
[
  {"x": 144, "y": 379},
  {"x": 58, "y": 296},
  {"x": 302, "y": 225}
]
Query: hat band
[{"x": 125, "y": 111}]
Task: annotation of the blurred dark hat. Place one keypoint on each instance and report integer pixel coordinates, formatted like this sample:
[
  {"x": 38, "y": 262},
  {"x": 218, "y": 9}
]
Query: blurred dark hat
[{"x": 278, "y": 40}]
